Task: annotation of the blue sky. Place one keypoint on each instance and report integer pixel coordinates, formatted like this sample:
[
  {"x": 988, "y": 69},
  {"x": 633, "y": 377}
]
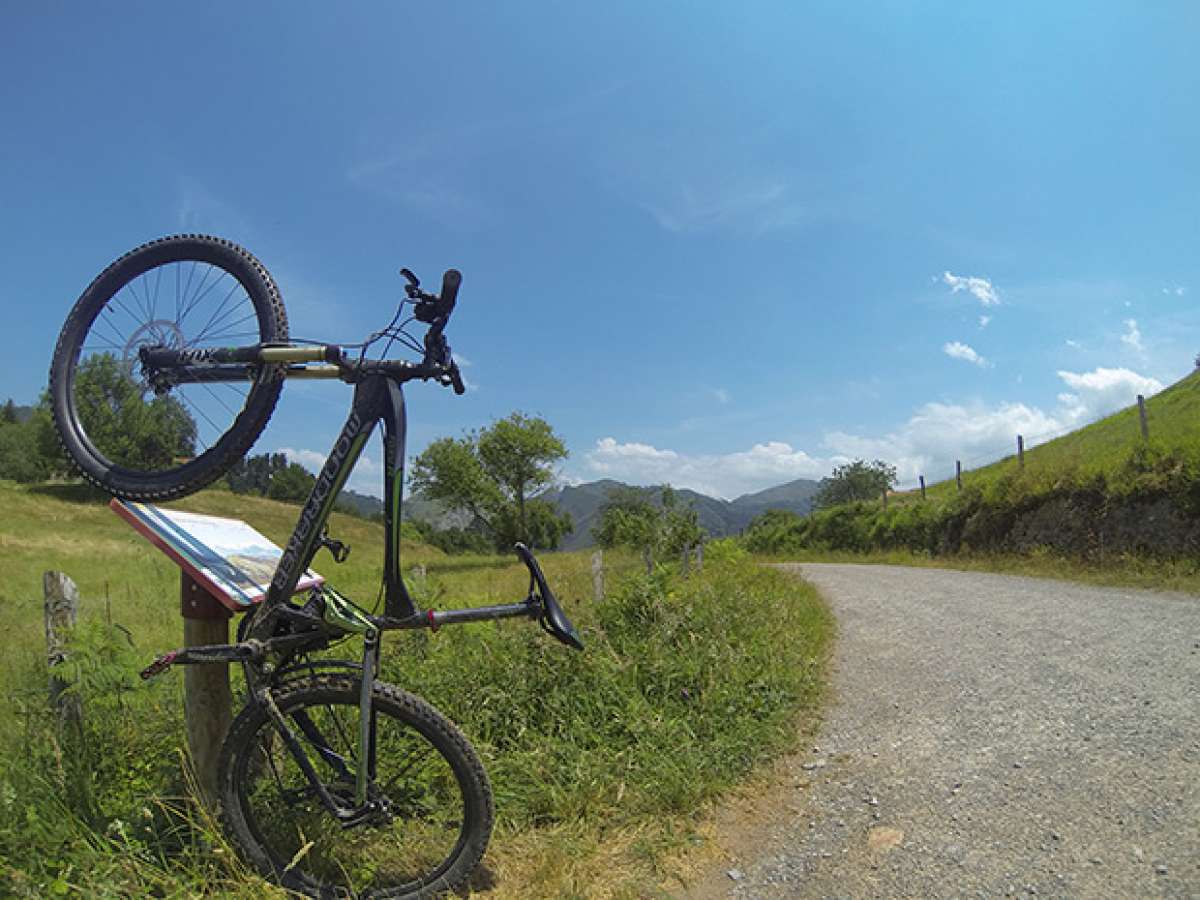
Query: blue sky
[{"x": 721, "y": 245}]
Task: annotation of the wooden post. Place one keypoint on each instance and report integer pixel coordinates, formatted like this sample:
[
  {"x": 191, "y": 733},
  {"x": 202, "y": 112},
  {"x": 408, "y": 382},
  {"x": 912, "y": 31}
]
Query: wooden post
[
  {"x": 61, "y": 610},
  {"x": 598, "y": 576},
  {"x": 683, "y": 560},
  {"x": 885, "y": 498},
  {"x": 700, "y": 557},
  {"x": 958, "y": 473},
  {"x": 1020, "y": 451},
  {"x": 206, "y": 696},
  {"x": 922, "y": 477},
  {"x": 1142, "y": 417}
]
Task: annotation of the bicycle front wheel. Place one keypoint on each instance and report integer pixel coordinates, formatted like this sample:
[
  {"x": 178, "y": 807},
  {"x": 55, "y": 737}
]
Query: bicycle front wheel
[
  {"x": 144, "y": 442},
  {"x": 433, "y": 804}
]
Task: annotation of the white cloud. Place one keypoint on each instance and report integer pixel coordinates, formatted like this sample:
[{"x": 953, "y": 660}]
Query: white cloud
[
  {"x": 727, "y": 475},
  {"x": 984, "y": 320},
  {"x": 1102, "y": 391},
  {"x": 926, "y": 444},
  {"x": 939, "y": 433},
  {"x": 367, "y": 477},
  {"x": 1178, "y": 291},
  {"x": 721, "y": 396},
  {"x": 980, "y": 288},
  {"x": 959, "y": 350},
  {"x": 1075, "y": 345},
  {"x": 1132, "y": 336}
]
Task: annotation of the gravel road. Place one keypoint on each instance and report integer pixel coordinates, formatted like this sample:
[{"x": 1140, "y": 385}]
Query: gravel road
[{"x": 991, "y": 736}]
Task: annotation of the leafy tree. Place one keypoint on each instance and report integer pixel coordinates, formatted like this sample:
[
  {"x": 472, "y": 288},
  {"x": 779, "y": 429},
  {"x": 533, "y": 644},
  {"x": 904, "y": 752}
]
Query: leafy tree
[
  {"x": 8, "y": 413},
  {"x": 775, "y": 531},
  {"x": 131, "y": 430},
  {"x": 291, "y": 484},
  {"x": 630, "y": 519},
  {"x": 495, "y": 474},
  {"x": 21, "y": 458},
  {"x": 252, "y": 475},
  {"x": 857, "y": 480},
  {"x": 452, "y": 540}
]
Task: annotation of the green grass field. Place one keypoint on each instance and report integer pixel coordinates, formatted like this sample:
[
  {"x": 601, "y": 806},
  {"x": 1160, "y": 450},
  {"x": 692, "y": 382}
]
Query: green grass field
[
  {"x": 1100, "y": 448},
  {"x": 602, "y": 762}
]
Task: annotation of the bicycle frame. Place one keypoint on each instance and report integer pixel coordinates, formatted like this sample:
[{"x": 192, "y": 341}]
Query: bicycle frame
[{"x": 376, "y": 398}]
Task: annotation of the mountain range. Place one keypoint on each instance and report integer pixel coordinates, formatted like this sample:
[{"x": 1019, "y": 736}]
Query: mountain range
[
  {"x": 718, "y": 517},
  {"x": 586, "y": 501}
]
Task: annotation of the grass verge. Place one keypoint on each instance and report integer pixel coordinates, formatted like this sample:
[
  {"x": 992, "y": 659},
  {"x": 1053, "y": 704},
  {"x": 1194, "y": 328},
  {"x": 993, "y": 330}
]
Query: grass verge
[{"x": 600, "y": 761}]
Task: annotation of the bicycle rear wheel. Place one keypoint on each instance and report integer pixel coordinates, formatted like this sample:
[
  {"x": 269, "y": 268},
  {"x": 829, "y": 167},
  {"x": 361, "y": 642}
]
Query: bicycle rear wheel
[
  {"x": 435, "y": 804},
  {"x": 182, "y": 292}
]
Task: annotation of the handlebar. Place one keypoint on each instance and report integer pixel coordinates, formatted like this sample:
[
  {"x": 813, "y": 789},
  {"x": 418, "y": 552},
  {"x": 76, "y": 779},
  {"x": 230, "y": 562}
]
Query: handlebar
[{"x": 164, "y": 367}]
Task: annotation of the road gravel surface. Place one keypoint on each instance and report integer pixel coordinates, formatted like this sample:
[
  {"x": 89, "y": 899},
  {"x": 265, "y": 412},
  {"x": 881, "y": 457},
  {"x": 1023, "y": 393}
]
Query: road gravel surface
[{"x": 989, "y": 736}]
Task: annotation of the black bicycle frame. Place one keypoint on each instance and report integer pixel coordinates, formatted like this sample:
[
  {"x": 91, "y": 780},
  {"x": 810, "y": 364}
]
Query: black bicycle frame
[{"x": 376, "y": 398}]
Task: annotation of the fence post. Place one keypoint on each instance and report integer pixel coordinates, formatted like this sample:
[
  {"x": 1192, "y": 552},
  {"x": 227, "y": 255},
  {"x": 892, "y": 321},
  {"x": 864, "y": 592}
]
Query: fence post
[
  {"x": 922, "y": 477},
  {"x": 700, "y": 556},
  {"x": 61, "y": 610},
  {"x": 598, "y": 576},
  {"x": 958, "y": 473},
  {"x": 1142, "y": 417},
  {"x": 1020, "y": 451},
  {"x": 683, "y": 560},
  {"x": 207, "y": 698},
  {"x": 885, "y": 498}
]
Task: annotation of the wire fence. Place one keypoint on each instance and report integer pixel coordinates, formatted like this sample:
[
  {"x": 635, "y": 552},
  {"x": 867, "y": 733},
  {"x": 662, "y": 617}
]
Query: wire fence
[{"x": 1016, "y": 447}]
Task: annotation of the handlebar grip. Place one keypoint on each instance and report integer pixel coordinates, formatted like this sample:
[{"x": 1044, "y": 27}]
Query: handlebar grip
[
  {"x": 450, "y": 282},
  {"x": 456, "y": 379}
]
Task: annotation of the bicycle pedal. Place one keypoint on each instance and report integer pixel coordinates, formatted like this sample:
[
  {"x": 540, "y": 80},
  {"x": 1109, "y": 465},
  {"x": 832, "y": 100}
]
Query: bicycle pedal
[{"x": 160, "y": 665}]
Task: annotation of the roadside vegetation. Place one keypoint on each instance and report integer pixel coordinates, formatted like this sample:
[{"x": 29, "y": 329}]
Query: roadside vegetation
[
  {"x": 600, "y": 760},
  {"x": 1101, "y": 504}
]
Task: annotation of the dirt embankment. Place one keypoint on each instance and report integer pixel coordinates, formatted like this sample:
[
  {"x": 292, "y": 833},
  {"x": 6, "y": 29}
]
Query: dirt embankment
[{"x": 1079, "y": 524}]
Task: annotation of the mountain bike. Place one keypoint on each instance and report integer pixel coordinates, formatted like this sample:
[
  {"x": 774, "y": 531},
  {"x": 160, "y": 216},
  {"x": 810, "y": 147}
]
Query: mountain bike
[{"x": 331, "y": 782}]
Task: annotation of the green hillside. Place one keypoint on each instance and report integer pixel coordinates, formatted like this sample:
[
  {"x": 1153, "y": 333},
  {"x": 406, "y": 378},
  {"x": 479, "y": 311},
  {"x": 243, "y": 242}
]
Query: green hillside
[
  {"x": 1102, "y": 448},
  {"x": 1098, "y": 493}
]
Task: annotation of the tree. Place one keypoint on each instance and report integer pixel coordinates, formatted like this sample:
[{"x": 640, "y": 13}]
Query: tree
[
  {"x": 494, "y": 474},
  {"x": 131, "y": 431},
  {"x": 291, "y": 484},
  {"x": 630, "y": 519},
  {"x": 8, "y": 413},
  {"x": 21, "y": 458},
  {"x": 857, "y": 480},
  {"x": 252, "y": 475}
]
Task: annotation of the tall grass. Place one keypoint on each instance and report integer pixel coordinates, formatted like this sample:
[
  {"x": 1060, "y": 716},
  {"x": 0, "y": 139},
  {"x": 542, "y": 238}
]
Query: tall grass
[{"x": 599, "y": 760}]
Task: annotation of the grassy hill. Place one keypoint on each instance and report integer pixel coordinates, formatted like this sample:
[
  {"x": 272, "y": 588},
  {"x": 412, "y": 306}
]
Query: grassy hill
[
  {"x": 1101, "y": 490},
  {"x": 1103, "y": 447},
  {"x": 600, "y": 761}
]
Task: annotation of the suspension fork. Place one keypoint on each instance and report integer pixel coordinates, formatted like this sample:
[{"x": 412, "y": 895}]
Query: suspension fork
[{"x": 347, "y": 617}]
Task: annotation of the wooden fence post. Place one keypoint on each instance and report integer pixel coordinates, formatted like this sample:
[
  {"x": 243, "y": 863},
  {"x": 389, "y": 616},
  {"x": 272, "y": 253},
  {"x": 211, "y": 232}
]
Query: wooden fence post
[
  {"x": 700, "y": 557},
  {"x": 958, "y": 473},
  {"x": 598, "y": 576},
  {"x": 207, "y": 699},
  {"x": 922, "y": 477},
  {"x": 683, "y": 560},
  {"x": 61, "y": 610},
  {"x": 1020, "y": 451},
  {"x": 1142, "y": 417},
  {"x": 885, "y": 498}
]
